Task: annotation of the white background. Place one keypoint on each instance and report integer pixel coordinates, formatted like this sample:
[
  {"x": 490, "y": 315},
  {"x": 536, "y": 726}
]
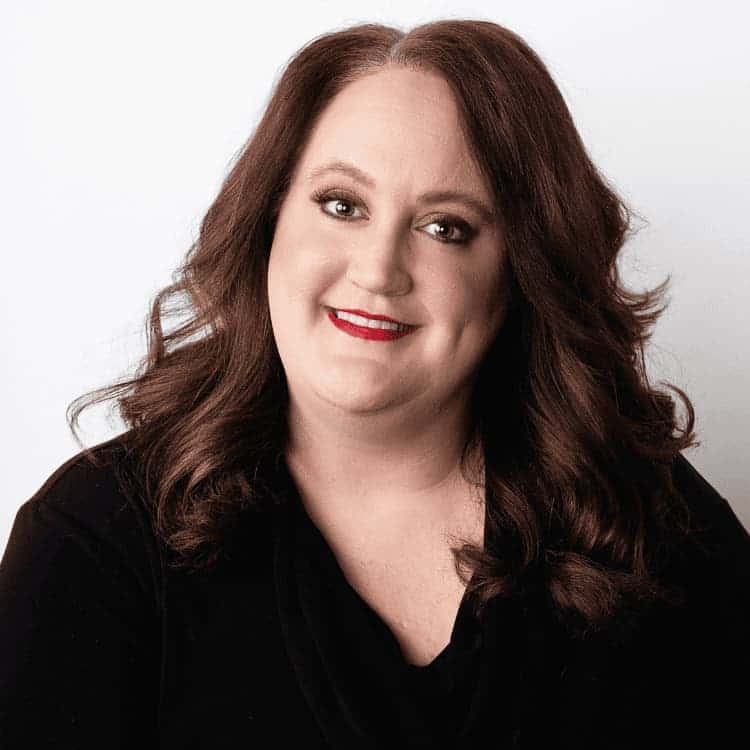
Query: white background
[{"x": 120, "y": 120}]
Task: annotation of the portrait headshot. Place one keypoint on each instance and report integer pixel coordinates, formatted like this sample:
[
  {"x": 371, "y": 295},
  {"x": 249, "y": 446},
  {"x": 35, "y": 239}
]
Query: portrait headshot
[{"x": 428, "y": 432}]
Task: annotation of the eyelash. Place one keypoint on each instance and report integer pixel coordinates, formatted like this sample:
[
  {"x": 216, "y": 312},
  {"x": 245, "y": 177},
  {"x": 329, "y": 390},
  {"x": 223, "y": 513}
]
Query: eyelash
[{"x": 326, "y": 195}]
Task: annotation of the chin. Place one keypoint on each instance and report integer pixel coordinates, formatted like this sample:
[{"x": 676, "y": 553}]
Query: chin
[{"x": 359, "y": 398}]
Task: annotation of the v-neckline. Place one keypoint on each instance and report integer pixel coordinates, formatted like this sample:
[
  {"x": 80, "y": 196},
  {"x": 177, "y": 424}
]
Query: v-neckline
[
  {"x": 462, "y": 632},
  {"x": 348, "y": 662}
]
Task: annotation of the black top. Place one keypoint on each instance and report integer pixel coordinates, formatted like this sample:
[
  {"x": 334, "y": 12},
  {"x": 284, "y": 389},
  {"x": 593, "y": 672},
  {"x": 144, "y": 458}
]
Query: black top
[
  {"x": 350, "y": 666},
  {"x": 103, "y": 645}
]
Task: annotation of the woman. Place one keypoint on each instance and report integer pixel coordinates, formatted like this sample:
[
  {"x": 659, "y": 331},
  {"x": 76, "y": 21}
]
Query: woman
[{"x": 400, "y": 480}]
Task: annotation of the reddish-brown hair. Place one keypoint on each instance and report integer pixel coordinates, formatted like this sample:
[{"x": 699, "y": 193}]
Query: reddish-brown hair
[{"x": 578, "y": 446}]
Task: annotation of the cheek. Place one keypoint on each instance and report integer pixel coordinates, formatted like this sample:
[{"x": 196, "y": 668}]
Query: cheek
[
  {"x": 477, "y": 294},
  {"x": 277, "y": 286},
  {"x": 495, "y": 309},
  {"x": 301, "y": 269},
  {"x": 485, "y": 309}
]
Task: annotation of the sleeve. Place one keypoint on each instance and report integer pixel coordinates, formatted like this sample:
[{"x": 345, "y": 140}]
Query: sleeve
[
  {"x": 703, "y": 651},
  {"x": 78, "y": 636}
]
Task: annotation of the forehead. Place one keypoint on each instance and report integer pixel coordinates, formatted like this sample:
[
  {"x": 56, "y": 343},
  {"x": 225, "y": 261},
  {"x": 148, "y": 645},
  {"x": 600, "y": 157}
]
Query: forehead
[{"x": 399, "y": 125}]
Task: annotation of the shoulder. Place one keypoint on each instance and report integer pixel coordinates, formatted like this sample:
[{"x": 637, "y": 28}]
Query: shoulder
[
  {"x": 701, "y": 649},
  {"x": 91, "y": 473},
  {"x": 81, "y": 618},
  {"x": 682, "y": 658},
  {"x": 711, "y": 571},
  {"x": 717, "y": 534},
  {"x": 87, "y": 508}
]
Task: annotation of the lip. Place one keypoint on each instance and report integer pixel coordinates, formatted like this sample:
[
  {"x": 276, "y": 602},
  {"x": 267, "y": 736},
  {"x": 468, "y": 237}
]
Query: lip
[
  {"x": 363, "y": 332},
  {"x": 372, "y": 316}
]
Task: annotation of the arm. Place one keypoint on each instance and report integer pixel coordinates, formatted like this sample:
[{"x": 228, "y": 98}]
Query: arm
[
  {"x": 700, "y": 653},
  {"x": 78, "y": 634}
]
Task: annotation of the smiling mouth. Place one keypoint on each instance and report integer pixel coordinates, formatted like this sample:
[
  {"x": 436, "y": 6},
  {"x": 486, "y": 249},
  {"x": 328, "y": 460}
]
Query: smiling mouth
[
  {"x": 366, "y": 321},
  {"x": 368, "y": 328},
  {"x": 363, "y": 322}
]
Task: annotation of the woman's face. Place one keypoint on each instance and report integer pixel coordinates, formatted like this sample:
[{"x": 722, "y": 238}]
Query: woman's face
[{"x": 369, "y": 237}]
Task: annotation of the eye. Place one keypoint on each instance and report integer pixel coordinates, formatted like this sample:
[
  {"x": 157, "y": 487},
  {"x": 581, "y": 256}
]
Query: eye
[
  {"x": 338, "y": 198},
  {"x": 466, "y": 233}
]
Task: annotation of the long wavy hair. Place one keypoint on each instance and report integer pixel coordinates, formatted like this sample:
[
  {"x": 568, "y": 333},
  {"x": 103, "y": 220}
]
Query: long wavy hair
[{"x": 578, "y": 447}]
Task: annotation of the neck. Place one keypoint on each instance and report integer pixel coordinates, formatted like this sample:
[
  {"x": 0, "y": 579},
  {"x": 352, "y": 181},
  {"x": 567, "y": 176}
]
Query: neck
[{"x": 400, "y": 459}]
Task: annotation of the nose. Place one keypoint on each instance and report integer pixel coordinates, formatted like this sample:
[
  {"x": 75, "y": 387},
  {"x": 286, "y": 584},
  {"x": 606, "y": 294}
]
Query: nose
[{"x": 377, "y": 262}]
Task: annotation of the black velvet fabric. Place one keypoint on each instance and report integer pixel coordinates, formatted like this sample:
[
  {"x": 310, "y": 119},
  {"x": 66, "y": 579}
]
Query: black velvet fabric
[
  {"x": 357, "y": 683},
  {"x": 102, "y": 644}
]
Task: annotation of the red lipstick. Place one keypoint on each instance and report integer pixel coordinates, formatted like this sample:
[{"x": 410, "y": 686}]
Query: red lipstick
[{"x": 364, "y": 332}]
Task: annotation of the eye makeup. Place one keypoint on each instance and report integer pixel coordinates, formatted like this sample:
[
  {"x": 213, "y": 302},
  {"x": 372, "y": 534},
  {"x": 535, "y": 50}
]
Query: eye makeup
[{"x": 466, "y": 232}]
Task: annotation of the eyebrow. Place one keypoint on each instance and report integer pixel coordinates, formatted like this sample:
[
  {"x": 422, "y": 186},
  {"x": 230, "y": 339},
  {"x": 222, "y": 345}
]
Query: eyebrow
[{"x": 432, "y": 196}]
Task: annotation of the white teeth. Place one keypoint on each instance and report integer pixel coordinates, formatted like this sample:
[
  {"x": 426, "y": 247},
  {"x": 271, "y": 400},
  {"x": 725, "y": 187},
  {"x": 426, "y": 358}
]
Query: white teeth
[{"x": 368, "y": 322}]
